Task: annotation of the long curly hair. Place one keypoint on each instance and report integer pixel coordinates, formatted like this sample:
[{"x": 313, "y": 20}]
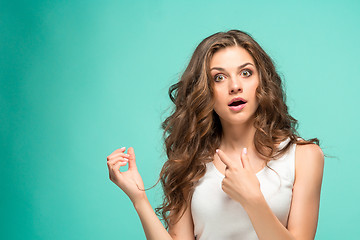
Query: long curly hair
[{"x": 193, "y": 131}]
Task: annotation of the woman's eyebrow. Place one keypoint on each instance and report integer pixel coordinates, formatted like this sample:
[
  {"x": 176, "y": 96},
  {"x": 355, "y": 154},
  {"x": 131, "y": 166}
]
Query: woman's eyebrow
[{"x": 222, "y": 69}]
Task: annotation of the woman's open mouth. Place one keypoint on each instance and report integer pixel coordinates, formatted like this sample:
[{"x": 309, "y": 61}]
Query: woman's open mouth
[{"x": 237, "y": 104}]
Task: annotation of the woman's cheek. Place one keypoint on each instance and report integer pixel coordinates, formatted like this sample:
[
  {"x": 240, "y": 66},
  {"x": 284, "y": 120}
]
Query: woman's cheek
[{"x": 216, "y": 109}]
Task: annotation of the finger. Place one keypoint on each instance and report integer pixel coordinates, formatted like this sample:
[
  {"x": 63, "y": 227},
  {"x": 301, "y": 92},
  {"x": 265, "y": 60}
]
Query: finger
[
  {"x": 124, "y": 155},
  {"x": 132, "y": 161},
  {"x": 116, "y": 170},
  {"x": 224, "y": 158},
  {"x": 116, "y": 151},
  {"x": 116, "y": 166},
  {"x": 245, "y": 159},
  {"x": 112, "y": 161},
  {"x": 112, "y": 165}
]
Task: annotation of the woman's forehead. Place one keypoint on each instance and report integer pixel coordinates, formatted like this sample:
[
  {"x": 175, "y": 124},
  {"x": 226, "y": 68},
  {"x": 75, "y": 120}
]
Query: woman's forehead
[{"x": 230, "y": 57}]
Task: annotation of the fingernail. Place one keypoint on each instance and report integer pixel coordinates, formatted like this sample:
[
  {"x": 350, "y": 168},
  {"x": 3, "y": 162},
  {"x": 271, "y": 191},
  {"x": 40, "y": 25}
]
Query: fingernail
[
  {"x": 217, "y": 150},
  {"x": 126, "y": 159},
  {"x": 245, "y": 150},
  {"x": 122, "y": 148}
]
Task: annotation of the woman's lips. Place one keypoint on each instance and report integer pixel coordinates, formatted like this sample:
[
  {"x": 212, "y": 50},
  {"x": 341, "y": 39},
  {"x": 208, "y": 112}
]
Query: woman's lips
[
  {"x": 237, "y": 108},
  {"x": 238, "y": 99}
]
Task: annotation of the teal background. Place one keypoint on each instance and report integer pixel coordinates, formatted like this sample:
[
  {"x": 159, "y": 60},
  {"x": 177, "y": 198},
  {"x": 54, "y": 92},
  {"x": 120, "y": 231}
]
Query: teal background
[{"x": 79, "y": 79}]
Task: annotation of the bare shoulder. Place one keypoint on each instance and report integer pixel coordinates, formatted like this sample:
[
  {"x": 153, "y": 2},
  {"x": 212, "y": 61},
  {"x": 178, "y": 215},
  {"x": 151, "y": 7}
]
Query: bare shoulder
[
  {"x": 309, "y": 159},
  {"x": 310, "y": 149}
]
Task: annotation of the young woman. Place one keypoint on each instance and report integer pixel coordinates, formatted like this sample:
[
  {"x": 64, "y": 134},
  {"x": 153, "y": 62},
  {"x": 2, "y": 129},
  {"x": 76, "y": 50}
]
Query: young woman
[{"x": 236, "y": 168}]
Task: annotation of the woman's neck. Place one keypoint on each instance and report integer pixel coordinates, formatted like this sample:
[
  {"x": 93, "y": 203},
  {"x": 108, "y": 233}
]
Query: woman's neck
[{"x": 237, "y": 137}]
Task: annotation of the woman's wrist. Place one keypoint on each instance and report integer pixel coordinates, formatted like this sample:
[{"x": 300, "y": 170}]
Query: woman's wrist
[
  {"x": 140, "y": 201},
  {"x": 254, "y": 201}
]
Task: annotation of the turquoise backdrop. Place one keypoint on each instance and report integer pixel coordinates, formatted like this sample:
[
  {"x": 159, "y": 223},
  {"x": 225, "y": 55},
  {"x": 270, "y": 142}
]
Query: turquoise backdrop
[{"x": 79, "y": 79}]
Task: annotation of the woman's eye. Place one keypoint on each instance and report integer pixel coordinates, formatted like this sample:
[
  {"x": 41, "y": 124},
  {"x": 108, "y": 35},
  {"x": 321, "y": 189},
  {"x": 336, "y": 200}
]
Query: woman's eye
[
  {"x": 219, "y": 78},
  {"x": 247, "y": 73}
]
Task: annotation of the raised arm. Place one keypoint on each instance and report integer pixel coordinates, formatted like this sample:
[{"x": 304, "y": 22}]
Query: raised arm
[
  {"x": 241, "y": 184},
  {"x": 304, "y": 208},
  {"x": 131, "y": 182}
]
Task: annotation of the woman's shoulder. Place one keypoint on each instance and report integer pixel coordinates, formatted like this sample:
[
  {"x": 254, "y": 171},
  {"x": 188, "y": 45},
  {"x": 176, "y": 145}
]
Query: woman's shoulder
[
  {"x": 309, "y": 160},
  {"x": 309, "y": 149}
]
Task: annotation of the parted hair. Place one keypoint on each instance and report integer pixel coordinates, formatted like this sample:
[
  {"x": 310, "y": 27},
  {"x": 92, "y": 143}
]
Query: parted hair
[{"x": 193, "y": 131}]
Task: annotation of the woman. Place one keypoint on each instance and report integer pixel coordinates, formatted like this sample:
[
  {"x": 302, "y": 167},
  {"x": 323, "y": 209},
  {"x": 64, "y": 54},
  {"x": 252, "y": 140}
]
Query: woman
[{"x": 236, "y": 168}]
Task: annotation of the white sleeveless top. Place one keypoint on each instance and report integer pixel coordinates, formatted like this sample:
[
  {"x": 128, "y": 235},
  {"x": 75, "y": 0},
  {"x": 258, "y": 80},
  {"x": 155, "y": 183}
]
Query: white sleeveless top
[{"x": 216, "y": 216}]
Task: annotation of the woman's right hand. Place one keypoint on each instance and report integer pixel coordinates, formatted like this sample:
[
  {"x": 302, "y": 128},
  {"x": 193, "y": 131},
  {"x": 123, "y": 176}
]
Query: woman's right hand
[{"x": 129, "y": 181}]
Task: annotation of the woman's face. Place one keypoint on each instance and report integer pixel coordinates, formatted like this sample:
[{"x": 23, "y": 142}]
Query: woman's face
[{"x": 235, "y": 81}]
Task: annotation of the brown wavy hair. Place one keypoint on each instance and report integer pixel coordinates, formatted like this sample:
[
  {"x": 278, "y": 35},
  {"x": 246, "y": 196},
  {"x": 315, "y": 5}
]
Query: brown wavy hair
[{"x": 193, "y": 131}]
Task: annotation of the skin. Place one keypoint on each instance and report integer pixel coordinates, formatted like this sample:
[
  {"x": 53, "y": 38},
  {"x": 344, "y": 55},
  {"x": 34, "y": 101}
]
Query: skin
[{"x": 239, "y": 167}]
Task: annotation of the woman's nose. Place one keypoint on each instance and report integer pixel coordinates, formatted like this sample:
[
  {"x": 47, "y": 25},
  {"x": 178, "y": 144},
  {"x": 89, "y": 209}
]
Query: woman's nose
[{"x": 235, "y": 86}]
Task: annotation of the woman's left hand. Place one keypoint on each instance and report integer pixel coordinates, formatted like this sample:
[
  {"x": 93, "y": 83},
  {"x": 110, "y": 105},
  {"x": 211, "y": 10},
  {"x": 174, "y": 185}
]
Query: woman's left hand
[{"x": 240, "y": 181}]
